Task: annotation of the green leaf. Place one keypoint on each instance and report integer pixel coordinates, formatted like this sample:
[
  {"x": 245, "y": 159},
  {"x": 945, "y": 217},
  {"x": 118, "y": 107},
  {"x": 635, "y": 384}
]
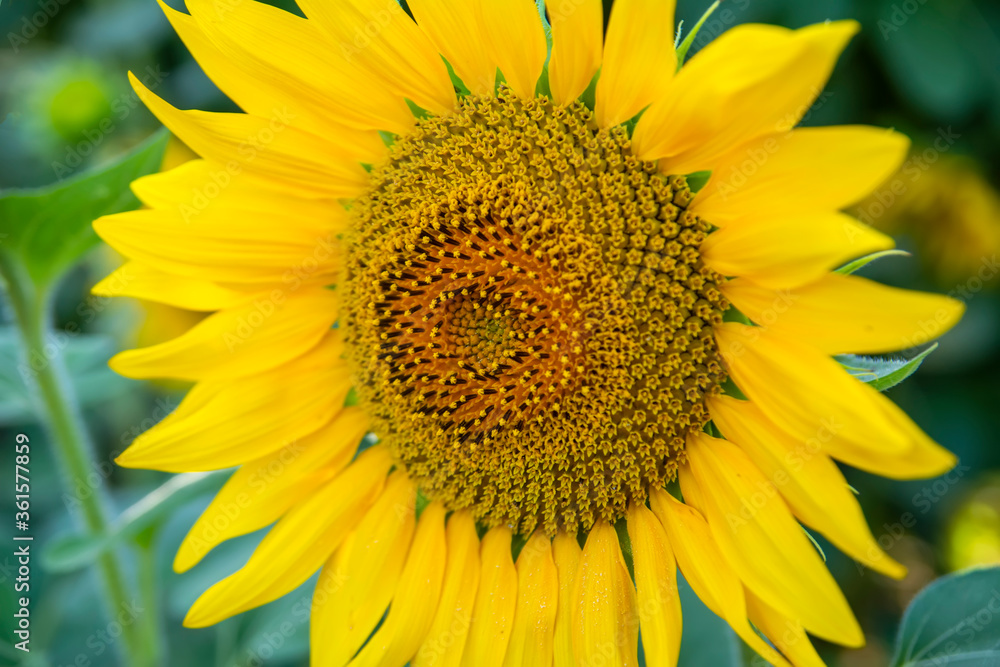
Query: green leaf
[
  {"x": 48, "y": 229},
  {"x": 883, "y": 372},
  {"x": 954, "y": 621},
  {"x": 67, "y": 553},
  {"x": 86, "y": 358},
  {"x": 848, "y": 269},
  {"x": 686, "y": 44}
]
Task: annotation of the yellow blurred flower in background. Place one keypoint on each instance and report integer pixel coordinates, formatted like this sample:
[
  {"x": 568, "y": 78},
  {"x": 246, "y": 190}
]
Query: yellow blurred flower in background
[
  {"x": 974, "y": 531},
  {"x": 947, "y": 207}
]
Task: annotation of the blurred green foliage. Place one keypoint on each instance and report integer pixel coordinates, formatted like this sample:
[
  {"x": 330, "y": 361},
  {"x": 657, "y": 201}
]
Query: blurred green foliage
[{"x": 926, "y": 67}]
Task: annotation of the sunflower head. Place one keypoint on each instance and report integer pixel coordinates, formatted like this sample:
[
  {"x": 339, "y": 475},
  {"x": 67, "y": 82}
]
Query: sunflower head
[{"x": 528, "y": 315}]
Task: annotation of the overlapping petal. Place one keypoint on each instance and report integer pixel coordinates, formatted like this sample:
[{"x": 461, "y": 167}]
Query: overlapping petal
[
  {"x": 532, "y": 636},
  {"x": 639, "y": 59},
  {"x": 496, "y": 601},
  {"x": 364, "y": 574},
  {"x": 516, "y": 42},
  {"x": 265, "y": 488},
  {"x": 240, "y": 341},
  {"x": 754, "y": 80},
  {"x": 577, "y": 47},
  {"x": 445, "y": 642},
  {"x": 782, "y": 252},
  {"x": 807, "y": 479},
  {"x": 869, "y": 317},
  {"x": 605, "y": 612},
  {"x": 383, "y": 41},
  {"x": 807, "y": 170},
  {"x": 706, "y": 569},
  {"x": 141, "y": 281},
  {"x": 456, "y": 30},
  {"x": 298, "y": 544},
  {"x": 810, "y": 396},
  {"x": 220, "y": 424},
  {"x": 764, "y": 544}
]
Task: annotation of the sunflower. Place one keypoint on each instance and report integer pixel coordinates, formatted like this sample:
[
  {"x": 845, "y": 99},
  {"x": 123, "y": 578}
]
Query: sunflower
[{"x": 489, "y": 351}]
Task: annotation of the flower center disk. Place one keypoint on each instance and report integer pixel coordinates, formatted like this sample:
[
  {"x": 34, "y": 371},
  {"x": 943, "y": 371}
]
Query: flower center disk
[{"x": 528, "y": 316}]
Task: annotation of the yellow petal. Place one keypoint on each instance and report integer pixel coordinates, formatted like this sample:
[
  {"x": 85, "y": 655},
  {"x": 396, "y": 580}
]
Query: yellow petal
[
  {"x": 805, "y": 476},
  {"x": 605, "y": 612},
  {"x": 317, "y": 79},
  {"x": 840, "y": 314},
  {"x": 262, "y": 490},
  {"x": 379, "y": 37},
  {"x": 577, "y": 47},
  {"x": 807, "y": 394},
  {"x": 639, "y": 59},
  {"x": 533, "y": 633},
  {"x": 226, "y": 423},
  {"x": 416, "y": 600},
  {"x": 784, "y": 252},
  {"x": 140, "y": 281},
  {"x": 232, "y": 245},
  {"x": 197, "y": 186},
  {"x": 706, "y": 570},
  {"x": 799, "y": 388},
  {"x": 766, "y": 546},
  {"x": 752, "y": 81},
  {"x": 788, "y": 635},
  {"x": 238, "y": 342},
  {"x": 366, "y": 570},
  {"x": 806, "y": 170},
  {"x": 258, "y": 84},
  {"x": 566, "y": 553},
  {"x": 446, "y": 639},
  {"x": 456, "y": 31},
  {"x": 307, "y": 165},
  {"x": 298, "y": 544},
  {"x": 656, "y": 587},
  {"x": 496, "y": 600},
  {"x": 516, "y": 42}
]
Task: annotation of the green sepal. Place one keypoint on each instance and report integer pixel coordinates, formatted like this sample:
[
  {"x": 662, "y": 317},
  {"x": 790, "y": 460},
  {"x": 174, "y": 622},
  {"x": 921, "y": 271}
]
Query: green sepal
[
  {"x": 626, "y": 546},
  {"x": 456, "y": 81},
  {"x": 883, "y": 372},
  {"x": 850, "y": 268},
  {"x": 698, "y": 180},
  {"x": 686, "y": 44},
  {"x": 418, "y": 111}
]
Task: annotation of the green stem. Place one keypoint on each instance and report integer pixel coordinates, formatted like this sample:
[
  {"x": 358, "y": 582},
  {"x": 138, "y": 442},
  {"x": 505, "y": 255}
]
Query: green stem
[
  {"x": 31, "y": 306},
  {"x": 151, "y": 649}
]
